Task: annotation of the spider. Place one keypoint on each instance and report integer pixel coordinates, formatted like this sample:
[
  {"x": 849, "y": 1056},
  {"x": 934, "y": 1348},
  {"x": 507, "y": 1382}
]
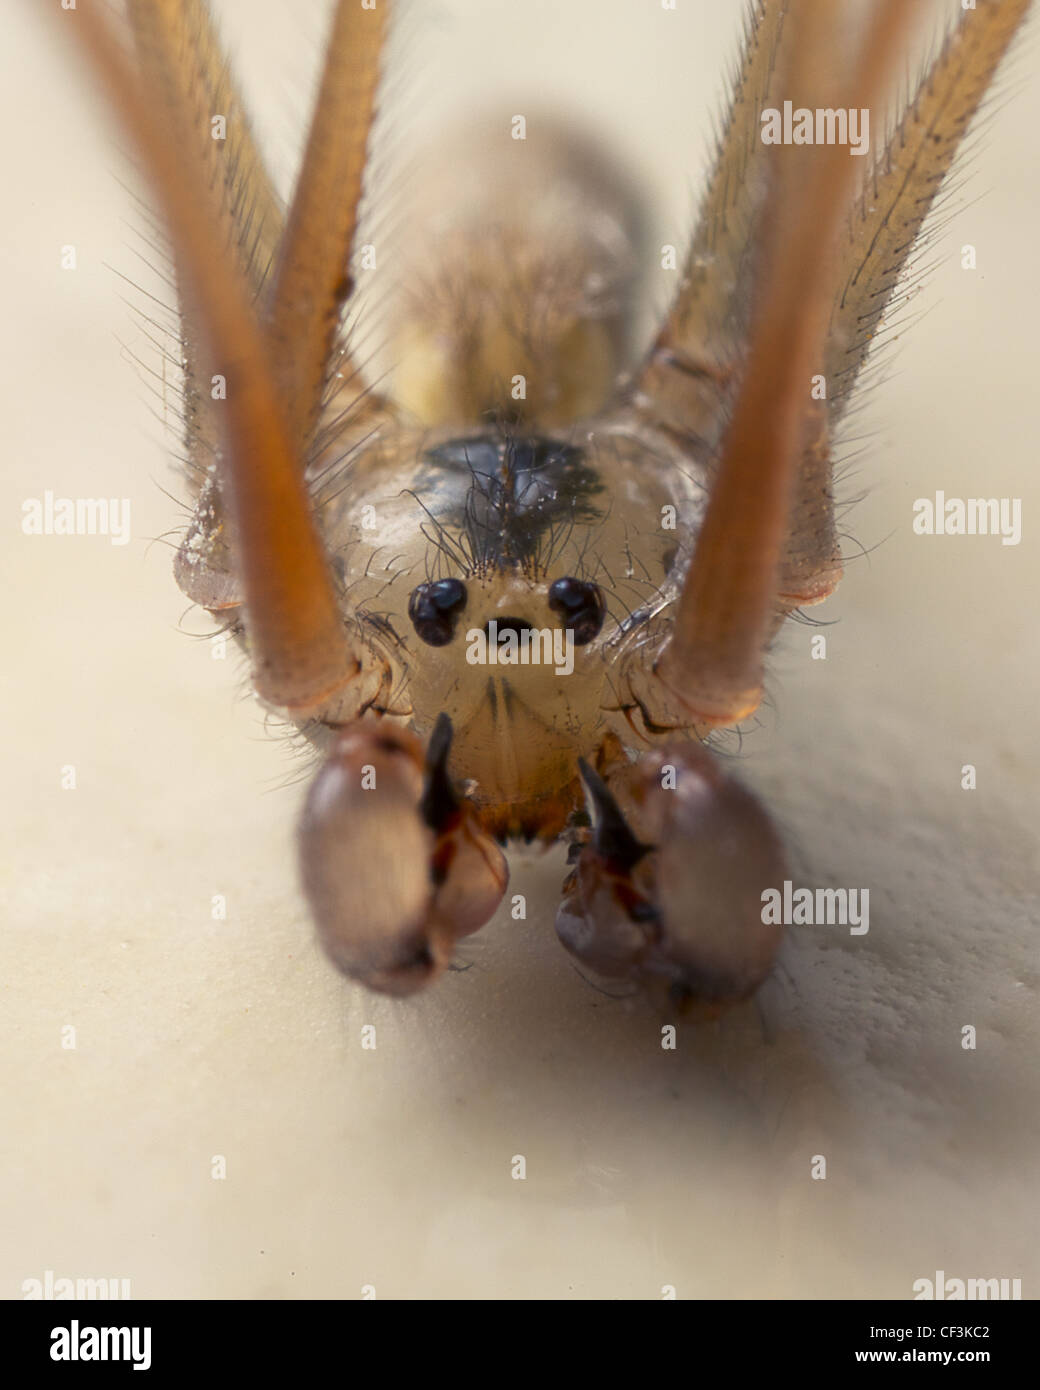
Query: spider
[{"x": 512, "y": 597}]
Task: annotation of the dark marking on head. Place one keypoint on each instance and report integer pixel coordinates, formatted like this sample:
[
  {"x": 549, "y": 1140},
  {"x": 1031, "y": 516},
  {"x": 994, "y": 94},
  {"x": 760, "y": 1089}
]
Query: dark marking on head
[{"x": 523, "y": 494}]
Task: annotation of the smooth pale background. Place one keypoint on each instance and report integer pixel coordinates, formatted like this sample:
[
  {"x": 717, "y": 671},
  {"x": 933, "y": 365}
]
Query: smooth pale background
[{"x": 392, "y": 1167}]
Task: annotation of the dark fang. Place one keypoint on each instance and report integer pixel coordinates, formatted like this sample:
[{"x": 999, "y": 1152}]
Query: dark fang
[
  {"x": 612, "y": 839},
  {"x": 440, "y": 801}
]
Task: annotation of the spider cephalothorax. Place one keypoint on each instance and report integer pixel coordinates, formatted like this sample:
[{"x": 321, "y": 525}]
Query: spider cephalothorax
[
  {"x": 498, "y": 571},
  {"x": 522, "y": 579}
]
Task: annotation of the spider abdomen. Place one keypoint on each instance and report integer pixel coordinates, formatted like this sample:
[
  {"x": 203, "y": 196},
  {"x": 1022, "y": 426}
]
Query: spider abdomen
[{"x": 522, "y": 267}]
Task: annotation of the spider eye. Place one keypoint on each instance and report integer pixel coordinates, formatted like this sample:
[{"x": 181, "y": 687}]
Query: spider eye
[
  {"x": 434, "y": 610},
  {"x": 579, "y": 606}
]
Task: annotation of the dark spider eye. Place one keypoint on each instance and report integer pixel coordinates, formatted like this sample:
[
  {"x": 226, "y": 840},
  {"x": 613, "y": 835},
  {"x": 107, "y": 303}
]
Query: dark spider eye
[
  {"x": 434, "y": 609},
  {"x": 580, "y": 607}
]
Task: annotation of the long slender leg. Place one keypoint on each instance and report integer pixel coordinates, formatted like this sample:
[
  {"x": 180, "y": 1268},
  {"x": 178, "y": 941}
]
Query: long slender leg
[
  {"x": 394, "y": 863},
  {"x": 712, "y": 664},
  {"x": 810, "y": 565},
  {"x": 900, "y": 192},
  {"x": 687, "y": 385},
  {"x": 300, "y": 653},
  {"x": 684, "y": 385},
  {"x": 882, "y": 229},
  {"x": 312, "y": 278},
  {"x": 188, "y": 77},
  {"x": 301, "y": 278}
]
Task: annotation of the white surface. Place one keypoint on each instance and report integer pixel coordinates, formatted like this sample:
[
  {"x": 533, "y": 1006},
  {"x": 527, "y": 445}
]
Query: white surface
[{"x": 392, "y": 1168}]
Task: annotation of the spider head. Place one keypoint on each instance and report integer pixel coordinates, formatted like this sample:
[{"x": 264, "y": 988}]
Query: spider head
[
  {"x": 515, "y": 661},
  {"x": 505, "y": 578}
]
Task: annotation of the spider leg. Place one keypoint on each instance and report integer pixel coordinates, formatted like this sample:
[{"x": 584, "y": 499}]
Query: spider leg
[
  {"x": 302, "y": 658},
  {"x": 710, "y": 666},
  {"x": 187, "y": 74},
  {"x": 684, "y": 385},
  {"x": 668, "y": 891},
  {"x": 312, "y": 277},
  {"x": 882, "y": 229},
  {"x": 810, "y": 564},
  {"x": 905, "y": 178},
  {"x": 770, "y": 542},
  {"x": 394, "y": 863}
]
